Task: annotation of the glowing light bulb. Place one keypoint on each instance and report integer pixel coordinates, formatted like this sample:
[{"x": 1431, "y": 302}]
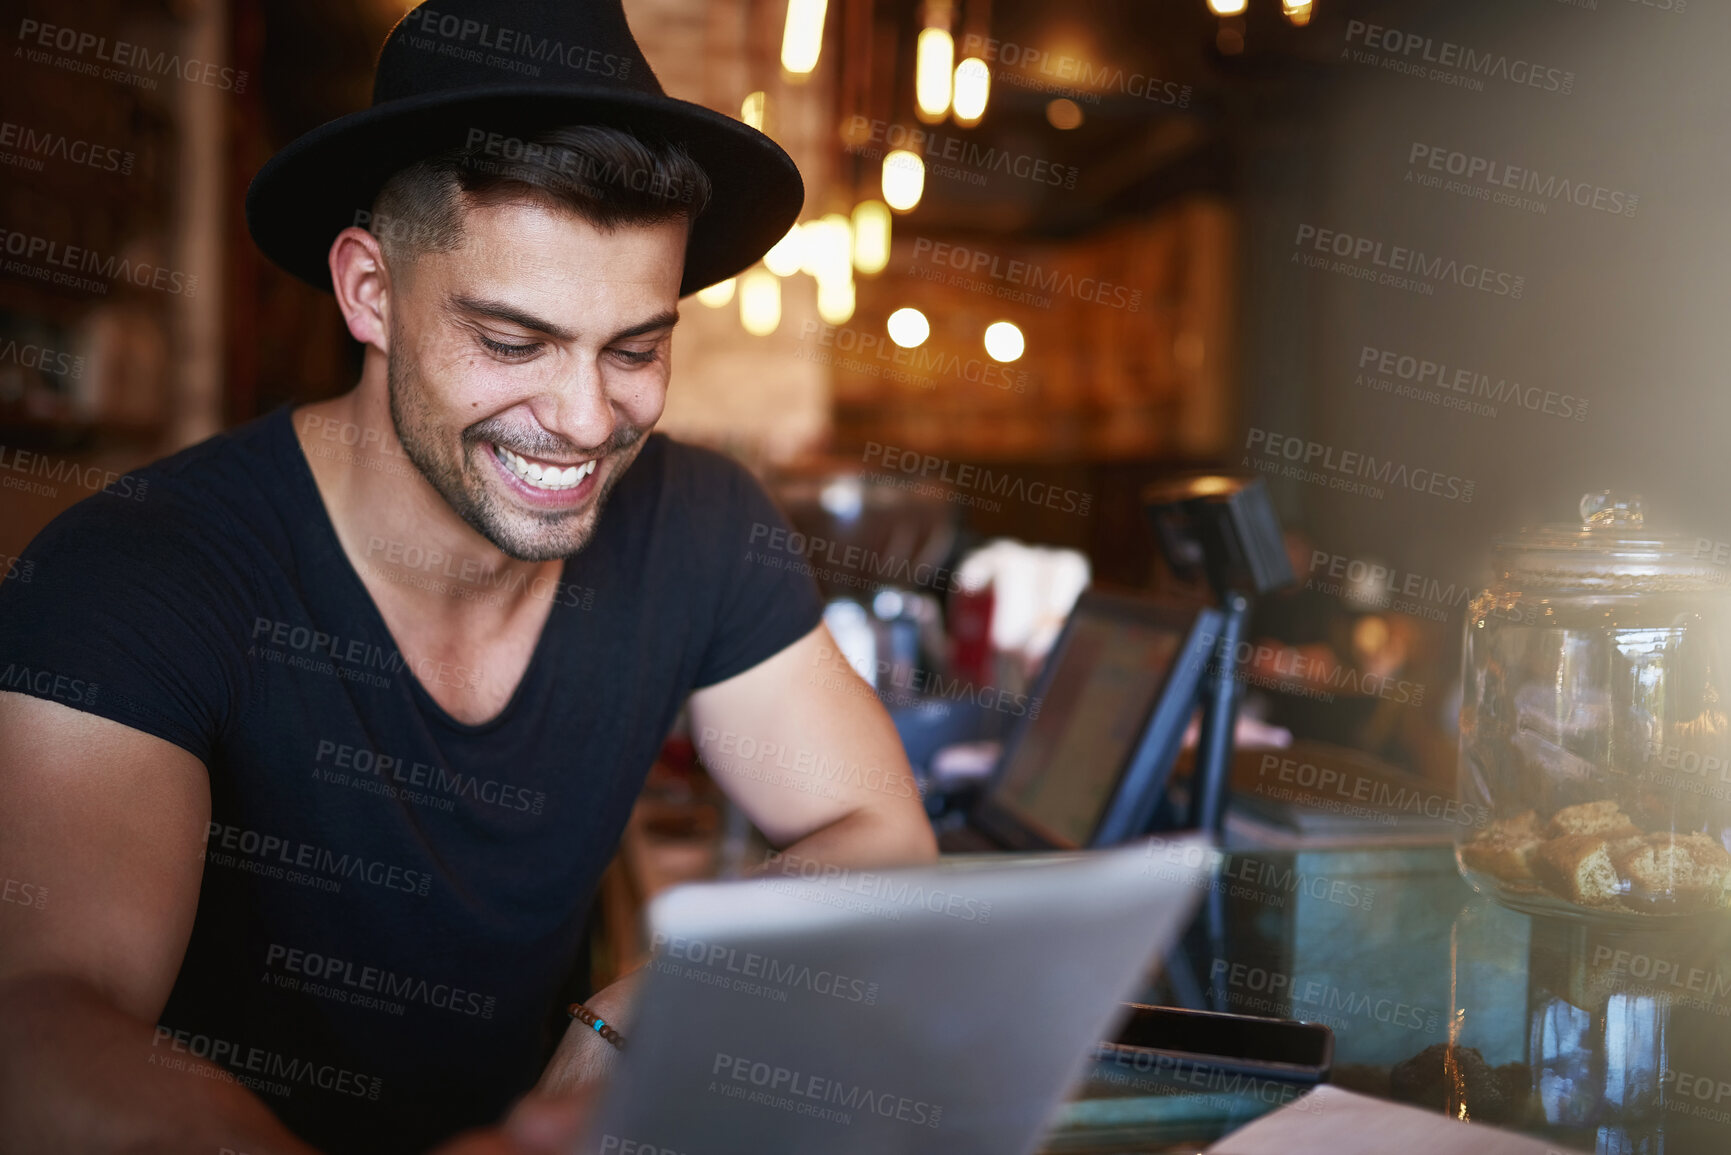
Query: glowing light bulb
[
  {"x": 908, "y": 328},
  {"x": 871, "y": 236},
  {"x": 828, "y": 252},
  {"x": 1004, "y": 341},
  {"x": 835, "y": 301},
  {"x": 718, "y": 294},
  {"x": 904, "y": 179},
  {"x": 760, "y": 302},
  {"x": 934, "y": 62},
  {"x": 802, "y": 38},
  {"x": 785, "y": 257},
  {"x": 973, "y": 86},
  {"x": 751, "y": 110},
  {"x": 1226, "y": 7}
]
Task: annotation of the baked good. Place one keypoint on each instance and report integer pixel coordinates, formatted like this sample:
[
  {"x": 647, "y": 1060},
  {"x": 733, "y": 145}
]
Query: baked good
[
  {"x": 1578, "y": 867},
  {"x": 1604, "y": 818},
  {"x": 1505, "y": 847},
  {"x": 1665, "y": 869}
]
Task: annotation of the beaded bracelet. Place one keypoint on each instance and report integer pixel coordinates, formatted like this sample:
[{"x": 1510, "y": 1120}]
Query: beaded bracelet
[{"x": 590, "y": 1019}]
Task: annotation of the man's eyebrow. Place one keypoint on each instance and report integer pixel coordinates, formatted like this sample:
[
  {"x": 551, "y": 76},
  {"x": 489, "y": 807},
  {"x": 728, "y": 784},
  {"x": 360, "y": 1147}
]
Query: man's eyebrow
[
  {"x": 501, "y": 311},
  {"x": 662, "y": 320}
]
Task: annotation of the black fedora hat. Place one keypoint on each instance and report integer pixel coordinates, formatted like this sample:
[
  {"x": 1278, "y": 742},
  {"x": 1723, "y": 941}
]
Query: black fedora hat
[{"x": 452, "y": 67}]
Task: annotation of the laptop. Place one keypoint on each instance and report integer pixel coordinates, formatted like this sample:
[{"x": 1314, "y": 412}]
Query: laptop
[
  {"x": 942, "y": 1009},
  {"x": 1091, "y": 768}
]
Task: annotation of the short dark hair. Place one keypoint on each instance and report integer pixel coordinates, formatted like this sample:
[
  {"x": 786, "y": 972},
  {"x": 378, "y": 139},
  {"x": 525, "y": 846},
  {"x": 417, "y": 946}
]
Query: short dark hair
[{"x": 607, "y": 176}]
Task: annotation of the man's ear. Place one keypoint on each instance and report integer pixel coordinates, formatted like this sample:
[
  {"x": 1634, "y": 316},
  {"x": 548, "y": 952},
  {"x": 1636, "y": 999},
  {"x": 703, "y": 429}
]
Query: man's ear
[{"x": 363, "y": 287}]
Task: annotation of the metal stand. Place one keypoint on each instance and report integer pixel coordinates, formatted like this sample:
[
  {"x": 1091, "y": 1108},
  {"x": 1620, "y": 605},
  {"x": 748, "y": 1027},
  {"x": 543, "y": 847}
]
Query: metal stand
[{"x": 1211, "y": 781}]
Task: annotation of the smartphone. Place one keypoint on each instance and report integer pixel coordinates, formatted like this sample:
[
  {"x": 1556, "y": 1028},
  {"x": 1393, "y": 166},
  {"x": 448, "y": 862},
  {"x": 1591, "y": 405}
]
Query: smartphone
[{"x": 1280, "y": 1050}]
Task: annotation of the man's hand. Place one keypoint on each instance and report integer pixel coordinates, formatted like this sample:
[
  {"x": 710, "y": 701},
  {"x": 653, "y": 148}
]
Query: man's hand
[
  {"x": 584, "y": 1058},
  {"x": 535, "y": 1126}
]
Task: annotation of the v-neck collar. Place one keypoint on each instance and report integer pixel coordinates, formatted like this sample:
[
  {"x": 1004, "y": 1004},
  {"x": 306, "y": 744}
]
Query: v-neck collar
[{"x": 324, "y": 532}]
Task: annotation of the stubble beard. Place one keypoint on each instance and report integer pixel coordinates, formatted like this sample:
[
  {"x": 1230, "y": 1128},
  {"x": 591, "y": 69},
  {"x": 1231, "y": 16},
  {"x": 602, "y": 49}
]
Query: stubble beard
[{"x": 466, "y": 483}]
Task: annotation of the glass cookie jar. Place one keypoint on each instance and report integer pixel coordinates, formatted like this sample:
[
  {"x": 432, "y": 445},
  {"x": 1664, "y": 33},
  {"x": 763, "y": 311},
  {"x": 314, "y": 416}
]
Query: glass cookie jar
[{"x": 1595, "y": 744}]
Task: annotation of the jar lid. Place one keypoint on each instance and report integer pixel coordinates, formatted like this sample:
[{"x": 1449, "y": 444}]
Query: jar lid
[{"x": 1611, "y": 547}]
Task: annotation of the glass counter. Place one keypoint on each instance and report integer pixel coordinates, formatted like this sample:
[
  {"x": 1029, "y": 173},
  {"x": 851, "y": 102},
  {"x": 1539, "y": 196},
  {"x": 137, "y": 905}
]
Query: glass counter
[{"x": 1594, "y": 1038}]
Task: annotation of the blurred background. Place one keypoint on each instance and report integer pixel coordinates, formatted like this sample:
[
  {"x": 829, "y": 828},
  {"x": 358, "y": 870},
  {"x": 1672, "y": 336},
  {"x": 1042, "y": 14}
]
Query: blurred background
[{"x": 1049, "y": 254}]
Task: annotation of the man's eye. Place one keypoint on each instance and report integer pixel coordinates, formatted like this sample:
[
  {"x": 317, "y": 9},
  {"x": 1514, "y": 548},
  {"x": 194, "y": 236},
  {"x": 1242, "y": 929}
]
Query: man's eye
[
  {"x": 512, "y": 351},
  {"x": 634, "y": 357}
]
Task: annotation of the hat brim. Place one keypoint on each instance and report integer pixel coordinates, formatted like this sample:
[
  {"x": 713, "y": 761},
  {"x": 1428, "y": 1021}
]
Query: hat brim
[{"x": 318, "y": 184}]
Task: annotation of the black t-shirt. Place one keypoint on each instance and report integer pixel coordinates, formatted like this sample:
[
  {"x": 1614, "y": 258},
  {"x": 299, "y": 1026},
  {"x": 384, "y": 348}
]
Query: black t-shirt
[{"x": 393, "y": 901}]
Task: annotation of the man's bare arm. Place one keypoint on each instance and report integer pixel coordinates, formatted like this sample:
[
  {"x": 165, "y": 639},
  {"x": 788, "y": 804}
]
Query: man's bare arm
[
  {"x": 106, "y": 826},
  {"x": 805, "y": 748},
  {"x": 101, "y": 853}
]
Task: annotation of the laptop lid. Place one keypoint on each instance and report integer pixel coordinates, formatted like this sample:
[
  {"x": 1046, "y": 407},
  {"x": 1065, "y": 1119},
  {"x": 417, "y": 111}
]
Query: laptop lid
[
  {"x": 934, "y": 1010},
  {"x": 1113, "y": 699}
]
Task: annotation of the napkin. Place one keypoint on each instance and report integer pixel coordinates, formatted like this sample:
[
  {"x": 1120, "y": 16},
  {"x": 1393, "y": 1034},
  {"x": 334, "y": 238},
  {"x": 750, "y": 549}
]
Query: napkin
[{"x": 1330, "y": 1121}]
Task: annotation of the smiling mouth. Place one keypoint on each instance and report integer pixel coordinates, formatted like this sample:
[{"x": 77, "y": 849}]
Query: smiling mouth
[{"x": 544, "y": 474}]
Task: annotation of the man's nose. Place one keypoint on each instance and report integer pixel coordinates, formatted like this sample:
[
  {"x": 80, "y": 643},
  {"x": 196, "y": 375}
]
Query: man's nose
[{"x": 577, "y": 408}]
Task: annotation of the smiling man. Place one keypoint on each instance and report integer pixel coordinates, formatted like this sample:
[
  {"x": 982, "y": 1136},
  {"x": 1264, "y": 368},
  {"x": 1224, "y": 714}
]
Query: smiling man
[{"x": 315, "y": 755}]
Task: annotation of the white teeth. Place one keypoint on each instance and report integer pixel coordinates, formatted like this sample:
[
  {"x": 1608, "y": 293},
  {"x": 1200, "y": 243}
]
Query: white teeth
[{"x": 544, "y": 477}]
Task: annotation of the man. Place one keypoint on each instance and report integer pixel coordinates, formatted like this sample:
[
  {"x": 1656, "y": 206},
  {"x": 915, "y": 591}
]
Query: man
[{"x": 316, "y": 750}]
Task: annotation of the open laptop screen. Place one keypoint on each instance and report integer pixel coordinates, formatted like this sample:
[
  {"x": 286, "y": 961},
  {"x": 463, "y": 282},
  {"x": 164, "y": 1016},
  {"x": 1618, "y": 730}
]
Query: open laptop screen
[{"x": 1111, "y": 710}]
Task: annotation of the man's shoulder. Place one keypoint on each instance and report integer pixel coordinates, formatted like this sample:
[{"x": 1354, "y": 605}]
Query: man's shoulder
[
  {"x": 687, "y": 463},
  {"x": 210, "y": 494},
  {"x": 689, "y": 480}
]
